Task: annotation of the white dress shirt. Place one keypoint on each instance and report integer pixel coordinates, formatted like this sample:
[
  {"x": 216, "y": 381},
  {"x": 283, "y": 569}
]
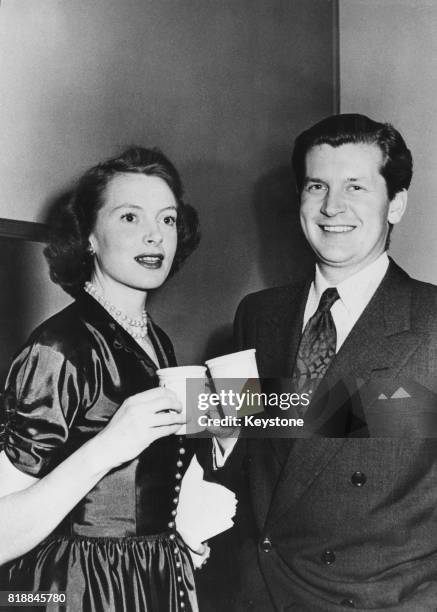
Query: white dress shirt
[{"x": 355, "y": 293}]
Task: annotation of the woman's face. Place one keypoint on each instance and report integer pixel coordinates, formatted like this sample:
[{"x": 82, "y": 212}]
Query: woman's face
[{"x": 135, "y": 234}]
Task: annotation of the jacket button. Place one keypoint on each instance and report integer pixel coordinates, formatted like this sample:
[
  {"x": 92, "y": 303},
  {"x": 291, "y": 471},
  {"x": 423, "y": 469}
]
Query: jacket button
[
  {"x": 266, "y": 545},
  {"x": 358, "y": 479},
  {"x": 328, "y": 557},
  {"x": 348, "y": 603}
]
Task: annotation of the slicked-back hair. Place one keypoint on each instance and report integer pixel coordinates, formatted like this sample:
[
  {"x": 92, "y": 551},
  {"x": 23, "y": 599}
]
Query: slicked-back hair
[
  {"x": 337, "y": 130},
  {"x": 73, "y": 220}
]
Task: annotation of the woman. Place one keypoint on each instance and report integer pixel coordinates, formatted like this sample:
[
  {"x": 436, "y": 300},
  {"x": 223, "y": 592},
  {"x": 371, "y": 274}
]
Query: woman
[{"x": 91, "y": 470}]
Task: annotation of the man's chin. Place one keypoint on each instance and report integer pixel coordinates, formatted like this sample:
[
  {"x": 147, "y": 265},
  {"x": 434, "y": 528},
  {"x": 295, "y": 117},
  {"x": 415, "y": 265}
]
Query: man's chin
[{"x": 335, "y": 259}]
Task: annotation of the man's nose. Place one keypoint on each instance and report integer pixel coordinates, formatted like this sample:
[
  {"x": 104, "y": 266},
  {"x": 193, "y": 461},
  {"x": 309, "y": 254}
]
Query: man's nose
[{"x": 333, "y": 203}]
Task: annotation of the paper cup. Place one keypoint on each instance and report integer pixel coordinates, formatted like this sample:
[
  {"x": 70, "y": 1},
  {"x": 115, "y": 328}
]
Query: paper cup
[
  {"x": 187, "y": 382},
  {"x": 234, "y": 365},
  {"x": 237, "y": 374}
]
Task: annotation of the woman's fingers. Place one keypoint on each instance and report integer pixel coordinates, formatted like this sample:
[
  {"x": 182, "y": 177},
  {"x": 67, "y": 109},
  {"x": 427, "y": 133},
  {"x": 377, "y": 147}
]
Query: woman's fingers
[
  {"x": 139, "y": 421},
  {"x": 165, "y": 430},
  {"x": 167, "y": 418},
  {"x": 155, "y": 400}
]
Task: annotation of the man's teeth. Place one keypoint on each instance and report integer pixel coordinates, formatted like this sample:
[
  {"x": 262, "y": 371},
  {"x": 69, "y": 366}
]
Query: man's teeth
[{"x": 338, "y": 229}]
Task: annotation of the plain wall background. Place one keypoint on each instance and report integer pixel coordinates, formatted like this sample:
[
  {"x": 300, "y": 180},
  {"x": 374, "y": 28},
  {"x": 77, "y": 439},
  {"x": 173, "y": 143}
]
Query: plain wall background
[
  {"x": 388, "y": 60},
  {"x": 223, "y": 87}
]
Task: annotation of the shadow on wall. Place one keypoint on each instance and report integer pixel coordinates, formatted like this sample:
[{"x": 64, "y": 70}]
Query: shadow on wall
[
  {"x": 220, "y": 342},
  {"x": 16, "y": 256},
  {"x": 14, "y": 304},
  {"x": 284, "y": 255}
]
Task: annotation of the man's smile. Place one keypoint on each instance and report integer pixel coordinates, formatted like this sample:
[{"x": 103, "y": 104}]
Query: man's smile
[{"x": 337, "y": 229}]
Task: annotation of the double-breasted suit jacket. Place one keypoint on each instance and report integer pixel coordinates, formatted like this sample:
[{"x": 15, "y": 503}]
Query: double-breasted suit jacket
[{"x": 346, "y": 521}]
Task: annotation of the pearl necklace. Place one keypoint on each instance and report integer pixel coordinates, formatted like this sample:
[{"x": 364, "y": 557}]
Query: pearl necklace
[{"x": 136, "y": 327}]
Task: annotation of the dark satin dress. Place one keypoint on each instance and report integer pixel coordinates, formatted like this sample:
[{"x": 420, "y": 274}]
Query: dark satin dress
[{"x": 117, "y": 550}]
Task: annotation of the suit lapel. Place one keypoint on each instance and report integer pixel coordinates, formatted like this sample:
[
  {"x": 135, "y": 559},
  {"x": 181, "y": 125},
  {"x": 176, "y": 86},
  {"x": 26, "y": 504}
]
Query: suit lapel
[
  {"x": 278, "y": 334},
  {"x": 381, "y": 341},
  {"x": 379, "y": 345}
]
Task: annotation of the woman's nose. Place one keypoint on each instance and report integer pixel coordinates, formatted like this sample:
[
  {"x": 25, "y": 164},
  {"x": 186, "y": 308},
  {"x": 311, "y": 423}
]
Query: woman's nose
[{"x": 152, "y": 235}]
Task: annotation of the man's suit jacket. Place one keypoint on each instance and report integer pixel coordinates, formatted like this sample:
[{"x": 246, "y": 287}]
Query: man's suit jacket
[{"x": 352, "y": 521}]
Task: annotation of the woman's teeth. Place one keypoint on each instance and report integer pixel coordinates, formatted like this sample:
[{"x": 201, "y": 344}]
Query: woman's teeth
[
  {"x": 150, "y": 261},
  {"x": 149, "y": 258}
]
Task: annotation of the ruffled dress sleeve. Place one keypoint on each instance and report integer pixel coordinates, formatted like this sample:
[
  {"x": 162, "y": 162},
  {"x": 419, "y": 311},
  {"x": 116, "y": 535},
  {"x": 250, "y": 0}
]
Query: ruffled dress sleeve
[{"x": 41, "y": 399}]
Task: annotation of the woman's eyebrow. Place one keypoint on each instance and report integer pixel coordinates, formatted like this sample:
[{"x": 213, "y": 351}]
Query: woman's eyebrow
[
  {"x": 127, "y": 205},
  {"x": 138, "y": 207}
]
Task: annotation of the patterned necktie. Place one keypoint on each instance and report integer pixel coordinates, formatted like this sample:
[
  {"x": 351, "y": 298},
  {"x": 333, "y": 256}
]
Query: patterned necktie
[{"x": 317, "y": 345}]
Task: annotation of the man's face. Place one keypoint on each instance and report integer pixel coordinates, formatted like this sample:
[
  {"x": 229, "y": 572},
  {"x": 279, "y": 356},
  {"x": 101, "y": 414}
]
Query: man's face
[{"x": 345, "y": 210}]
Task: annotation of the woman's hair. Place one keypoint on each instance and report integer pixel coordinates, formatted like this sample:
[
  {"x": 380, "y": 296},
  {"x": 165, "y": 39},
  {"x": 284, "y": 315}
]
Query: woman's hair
[{"x": 72, "y": 220}]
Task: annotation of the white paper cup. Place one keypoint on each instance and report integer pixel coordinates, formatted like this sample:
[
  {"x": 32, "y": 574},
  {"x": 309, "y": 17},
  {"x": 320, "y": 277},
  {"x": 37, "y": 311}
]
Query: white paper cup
[
  {"x": 236, "y": 373},
  {"x": 234, "y": 365},
  {"x": 176, "y": 380}
]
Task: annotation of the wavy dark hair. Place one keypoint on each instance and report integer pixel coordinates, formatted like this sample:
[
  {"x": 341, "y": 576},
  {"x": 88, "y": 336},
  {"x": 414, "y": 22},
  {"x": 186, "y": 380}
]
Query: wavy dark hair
[
  {"x": 73, "y": 219},
  {"x": 337, "y": 130}
]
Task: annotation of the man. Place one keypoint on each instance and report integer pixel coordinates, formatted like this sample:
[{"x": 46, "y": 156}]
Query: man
[{"x": 351, "y": 521}]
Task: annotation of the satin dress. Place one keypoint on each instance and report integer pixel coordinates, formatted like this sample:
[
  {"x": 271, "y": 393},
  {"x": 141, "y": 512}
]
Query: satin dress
[{"x": 118, "y": 549}]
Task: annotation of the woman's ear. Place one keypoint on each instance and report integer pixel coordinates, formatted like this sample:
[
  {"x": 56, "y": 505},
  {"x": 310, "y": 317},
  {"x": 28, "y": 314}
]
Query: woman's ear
[{"x": 92, "y": 245}]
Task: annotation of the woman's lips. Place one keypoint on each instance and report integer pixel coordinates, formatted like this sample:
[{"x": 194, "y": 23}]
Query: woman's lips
[{"x": 153, "y": 262}]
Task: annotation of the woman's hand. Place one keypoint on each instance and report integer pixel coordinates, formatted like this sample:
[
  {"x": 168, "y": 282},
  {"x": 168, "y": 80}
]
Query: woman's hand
[{"x": 140, "y": 420}]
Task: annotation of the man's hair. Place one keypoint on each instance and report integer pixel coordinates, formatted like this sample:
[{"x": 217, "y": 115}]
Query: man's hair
[
  {"x": 73, "y": 220},
  {"x": 337, "y": 130}
]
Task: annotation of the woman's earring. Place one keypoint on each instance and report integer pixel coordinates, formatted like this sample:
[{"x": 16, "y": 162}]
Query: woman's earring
[{"x": 91, "y": 250}]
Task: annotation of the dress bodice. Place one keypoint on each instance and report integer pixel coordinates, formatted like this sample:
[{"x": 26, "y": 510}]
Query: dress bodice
[
  {"x": 139, "y": 498},
  {"x": 63, "y": 388}
]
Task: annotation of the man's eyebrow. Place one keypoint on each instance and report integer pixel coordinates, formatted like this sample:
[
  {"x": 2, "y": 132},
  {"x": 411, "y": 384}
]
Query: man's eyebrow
[
  {"x": 313, "y": 179},
  {"x": 352, "y": 179}
]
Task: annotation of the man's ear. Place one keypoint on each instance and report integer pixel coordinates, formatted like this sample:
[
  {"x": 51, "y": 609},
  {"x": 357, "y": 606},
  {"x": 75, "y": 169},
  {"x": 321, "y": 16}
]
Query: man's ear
[{"x": 397, "y": 207}]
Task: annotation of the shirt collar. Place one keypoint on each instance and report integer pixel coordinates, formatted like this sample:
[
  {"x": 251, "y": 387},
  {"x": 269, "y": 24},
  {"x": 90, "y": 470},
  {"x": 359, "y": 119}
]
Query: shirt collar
[{"x": 356, "y": 291}]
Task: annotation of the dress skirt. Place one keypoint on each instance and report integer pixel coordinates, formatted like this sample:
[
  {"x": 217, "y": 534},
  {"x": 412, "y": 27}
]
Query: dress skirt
[{"x": 137, "y": 573}]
